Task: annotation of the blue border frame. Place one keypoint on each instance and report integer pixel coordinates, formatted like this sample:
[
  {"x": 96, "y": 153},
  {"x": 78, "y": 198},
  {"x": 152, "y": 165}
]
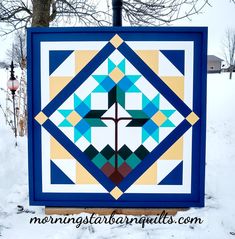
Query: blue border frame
[{"x": 196, "y": 34}]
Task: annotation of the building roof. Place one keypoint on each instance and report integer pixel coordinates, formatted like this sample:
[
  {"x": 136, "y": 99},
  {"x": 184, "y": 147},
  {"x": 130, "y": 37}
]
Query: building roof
[{"x": 213, "y": 58}]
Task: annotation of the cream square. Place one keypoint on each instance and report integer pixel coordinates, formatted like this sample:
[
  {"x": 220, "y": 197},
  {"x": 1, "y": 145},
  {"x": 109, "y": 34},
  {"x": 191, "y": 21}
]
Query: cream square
[
  {"x": 133, "y": 101},
  {"x": 99, "y": 101}
]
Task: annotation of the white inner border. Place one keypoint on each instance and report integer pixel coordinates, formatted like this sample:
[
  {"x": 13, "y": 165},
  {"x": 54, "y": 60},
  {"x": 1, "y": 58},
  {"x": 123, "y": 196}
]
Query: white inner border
[{"x": 188, "y": 98}]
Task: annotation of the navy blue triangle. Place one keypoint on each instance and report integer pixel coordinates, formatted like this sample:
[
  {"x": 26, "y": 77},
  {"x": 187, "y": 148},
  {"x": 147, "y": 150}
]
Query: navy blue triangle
[
  {"x": 175, "y": 177},
  {"x": 176, "y": 57},
  {"x": 56, "y": 58},
  {"x": 57, "y": 176}
]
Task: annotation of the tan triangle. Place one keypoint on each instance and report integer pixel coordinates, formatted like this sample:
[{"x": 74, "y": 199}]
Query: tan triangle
[
  {"x": 58, "y": 151},
  {"x": 175, "y": 151},
  {"x": 150, "y": 57},
  {"x": 176, "y": 83},
  {"x": 83, "y": 176},
  {"x": 82, "y": 58},
  {"x": 57, "y": 83},
  {"x": 149, "y": 177}
]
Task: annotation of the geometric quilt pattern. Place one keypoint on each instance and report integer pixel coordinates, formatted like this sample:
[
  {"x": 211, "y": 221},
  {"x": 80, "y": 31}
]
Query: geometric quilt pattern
[
  {"x": 115, "y": 106},
  {"x": 116, "y": 118}
]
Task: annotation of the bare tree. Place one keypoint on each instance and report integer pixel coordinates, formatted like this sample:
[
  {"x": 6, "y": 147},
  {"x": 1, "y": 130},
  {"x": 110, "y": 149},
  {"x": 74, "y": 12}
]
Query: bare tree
[
  {"x": 160, "y": 12},
  {"x": 19, "y": 14},
  {"x": 18, "y": 51},
  {"x": 229, "y": 50}
]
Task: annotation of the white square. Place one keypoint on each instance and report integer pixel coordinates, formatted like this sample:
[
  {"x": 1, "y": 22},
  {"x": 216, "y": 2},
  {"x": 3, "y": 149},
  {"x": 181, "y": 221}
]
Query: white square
[
  {"x": 82, "y": 143},
  {"x": 133, "y": 101},
  {"x": 150, "y": 144},
  {"x": 99, "y": 101}
]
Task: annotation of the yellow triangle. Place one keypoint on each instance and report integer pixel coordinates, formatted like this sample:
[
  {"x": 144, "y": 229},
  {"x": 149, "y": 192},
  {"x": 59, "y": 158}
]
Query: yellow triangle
[
  {"x": 176, "y": 83},
  {"x": 83, "y": 176},
  {"x": 150, "y": 57},
  {"x": 175, "y": 151},
  {"x": 58, "y": 151},
  {"x": 57, "y": 83},
  {"x": 149, "y": 177},
  {"x": 82, "y": 58}
]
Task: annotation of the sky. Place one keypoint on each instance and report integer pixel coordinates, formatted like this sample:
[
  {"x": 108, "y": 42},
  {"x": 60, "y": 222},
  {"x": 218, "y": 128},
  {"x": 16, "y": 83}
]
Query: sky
[{"x": 219, "y": 17}]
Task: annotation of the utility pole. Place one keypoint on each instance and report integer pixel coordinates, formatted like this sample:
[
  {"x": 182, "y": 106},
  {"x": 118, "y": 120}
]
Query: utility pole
[{"x": 117, "y": 12}]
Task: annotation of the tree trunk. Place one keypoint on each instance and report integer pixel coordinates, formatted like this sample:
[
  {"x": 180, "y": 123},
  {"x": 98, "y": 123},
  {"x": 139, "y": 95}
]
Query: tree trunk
[{"x": 41, "y": 13}]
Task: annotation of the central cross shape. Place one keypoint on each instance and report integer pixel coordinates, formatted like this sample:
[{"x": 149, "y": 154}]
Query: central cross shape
[{"x": 116, "y": 120}]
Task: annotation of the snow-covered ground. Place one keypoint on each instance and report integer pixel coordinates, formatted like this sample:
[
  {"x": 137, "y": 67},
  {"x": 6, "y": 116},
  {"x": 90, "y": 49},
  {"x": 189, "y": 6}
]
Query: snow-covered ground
[{"x": 218, "y": 214}]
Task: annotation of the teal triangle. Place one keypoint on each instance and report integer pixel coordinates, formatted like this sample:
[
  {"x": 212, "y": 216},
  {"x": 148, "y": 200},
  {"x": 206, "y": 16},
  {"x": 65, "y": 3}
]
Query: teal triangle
[
  {"x": 156, "y": 101},
  {"x": 120, "y": 97},
  {"x": 65, "y": 113},
  {"x": 77, "y": 101},
  {"x": 168, "y": 113},
  {"x": 87, "y": 135},
  {"x": 77, "y": 135},
  {"x": 122, "y": 66},
  {"x": 133, "y": 78},
  {"x": 155, "y": 135},
  {"x": 175, "y": 177},
  {"x": 65, "y": 123},
  {"x": 167, "y": 123},
  {"x": 145, "y": 135},
  {"x": 58, "y": 176},
  {"x": 99, "y": 78},
  {"x": 112, "y": 161},
  {"x": 87, "y": 101},
  {"x": 111, "y": 66},
  {"x": 145, "y": 101}
]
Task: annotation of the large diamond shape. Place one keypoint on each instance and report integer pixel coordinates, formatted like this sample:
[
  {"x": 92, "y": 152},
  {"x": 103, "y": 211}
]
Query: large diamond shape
[{"x": 127, "y": 123}]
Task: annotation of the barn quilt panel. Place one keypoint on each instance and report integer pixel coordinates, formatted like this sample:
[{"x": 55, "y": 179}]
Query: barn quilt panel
[{"x": 117, "y": 116}]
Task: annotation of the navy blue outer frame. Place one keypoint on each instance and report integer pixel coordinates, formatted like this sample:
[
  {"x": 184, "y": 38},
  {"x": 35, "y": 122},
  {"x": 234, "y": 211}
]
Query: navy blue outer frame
[{"x": 194, "y": 199}]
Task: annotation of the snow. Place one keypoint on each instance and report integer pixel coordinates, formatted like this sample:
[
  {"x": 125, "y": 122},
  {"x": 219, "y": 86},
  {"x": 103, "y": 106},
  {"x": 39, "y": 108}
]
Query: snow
[{"x": 218, "y": 214}]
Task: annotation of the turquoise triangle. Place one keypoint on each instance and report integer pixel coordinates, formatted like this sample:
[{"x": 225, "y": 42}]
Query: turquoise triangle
[
  {"x": 156, "y": 101},
  {"x": 145, "y": 101},
  {"x": 77, "y": 135},
  {"x": 99, "y": 78},
  {"x": 77, "y": 101},
  {"x": 122, "y": 66},
  {"x": 87, "y": 135},
  {"x": 133, "y": 78},
  {"x": 155, "y": 135},
  {"x": 145, "y": 135},
  {"x": 87, "y": 101},
  {"x": 65, "y": 113},
  {"x": 167, "y": 113},
  {"x": 99, "y": 88},
  {"x": 167, "y": 123},
  {"x": 65, "y": 123},
  {"x": 111, "y": 66}
]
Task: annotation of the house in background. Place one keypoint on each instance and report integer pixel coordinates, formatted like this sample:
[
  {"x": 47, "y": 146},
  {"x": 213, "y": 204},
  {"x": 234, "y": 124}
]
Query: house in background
[{"x": 214, "y": 64}]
